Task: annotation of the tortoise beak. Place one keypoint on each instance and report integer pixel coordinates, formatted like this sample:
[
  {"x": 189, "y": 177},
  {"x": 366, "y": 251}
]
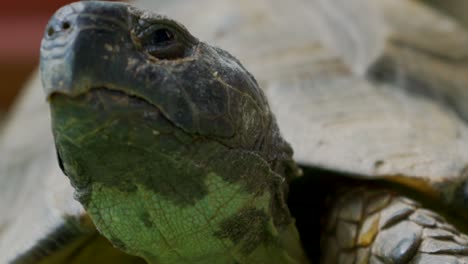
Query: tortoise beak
[
  {"x": 56, "y": 56},
  {"x": 74, "y": 48}
]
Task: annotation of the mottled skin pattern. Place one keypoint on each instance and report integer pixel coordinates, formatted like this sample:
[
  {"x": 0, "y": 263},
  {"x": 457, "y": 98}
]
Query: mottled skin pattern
[{"x": 168, "y": 141}]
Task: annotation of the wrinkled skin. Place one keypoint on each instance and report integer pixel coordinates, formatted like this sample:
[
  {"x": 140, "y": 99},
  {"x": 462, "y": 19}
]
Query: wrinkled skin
[{"x": 169, "y": 142}]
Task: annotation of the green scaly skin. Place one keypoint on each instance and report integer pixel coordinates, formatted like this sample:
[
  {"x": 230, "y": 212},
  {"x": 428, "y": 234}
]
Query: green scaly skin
[{"x": 169, "y": 143}]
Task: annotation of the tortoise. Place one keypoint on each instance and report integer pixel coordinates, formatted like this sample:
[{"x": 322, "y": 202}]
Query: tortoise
[{"x": 136, "y": 98}]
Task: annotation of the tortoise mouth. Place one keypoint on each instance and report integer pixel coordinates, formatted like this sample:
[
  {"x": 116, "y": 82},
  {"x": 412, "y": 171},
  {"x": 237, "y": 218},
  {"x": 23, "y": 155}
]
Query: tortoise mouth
[
  {"x": 97, "y": 94},
  {"x": 106, "y": 99}
]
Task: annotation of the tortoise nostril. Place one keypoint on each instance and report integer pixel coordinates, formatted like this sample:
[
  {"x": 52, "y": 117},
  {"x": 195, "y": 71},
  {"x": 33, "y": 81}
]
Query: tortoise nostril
[
  {"x": 50, "y": 31},
  {"x": 65, "y": 25},
  {"x": 54, "y": 29}
]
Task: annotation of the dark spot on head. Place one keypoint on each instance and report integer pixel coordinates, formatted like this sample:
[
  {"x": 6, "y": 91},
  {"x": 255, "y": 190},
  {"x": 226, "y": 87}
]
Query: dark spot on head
[
  {"x": 249, "y": 228},
  {"x": 118, "y": 243},
  {"x": 146, "y": 219},
  {"x": 245, "y": 168}
]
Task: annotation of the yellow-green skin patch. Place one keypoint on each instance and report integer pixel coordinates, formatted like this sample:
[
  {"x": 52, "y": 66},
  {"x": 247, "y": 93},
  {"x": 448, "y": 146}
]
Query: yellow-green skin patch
[{"x": 182, "y": 235}]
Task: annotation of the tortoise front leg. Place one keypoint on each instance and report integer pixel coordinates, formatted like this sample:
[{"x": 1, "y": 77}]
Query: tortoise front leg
[{"x": 381, "y": 226}]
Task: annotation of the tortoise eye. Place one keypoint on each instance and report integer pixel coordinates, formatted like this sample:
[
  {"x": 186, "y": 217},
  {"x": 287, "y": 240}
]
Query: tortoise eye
[
  {"x": 163, "y": 43},
  {"x": 162, "y": 36}
]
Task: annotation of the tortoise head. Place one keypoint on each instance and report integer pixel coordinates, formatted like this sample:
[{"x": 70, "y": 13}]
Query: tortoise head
[{"x": 169, "y": 142}]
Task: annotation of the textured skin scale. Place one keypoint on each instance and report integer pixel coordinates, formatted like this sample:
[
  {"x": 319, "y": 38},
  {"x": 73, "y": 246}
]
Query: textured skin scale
[
  {"x": 378, "y": 225},
  {"x": 177, "y": 160}
]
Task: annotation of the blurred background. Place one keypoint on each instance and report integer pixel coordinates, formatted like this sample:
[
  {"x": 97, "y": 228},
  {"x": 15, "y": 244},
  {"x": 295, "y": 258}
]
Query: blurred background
[{"x": 22, "y": 24}]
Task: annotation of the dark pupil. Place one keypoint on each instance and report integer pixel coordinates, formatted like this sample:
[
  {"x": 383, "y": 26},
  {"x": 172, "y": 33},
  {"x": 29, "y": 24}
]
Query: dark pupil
[{"x": 162, "y": 36}]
